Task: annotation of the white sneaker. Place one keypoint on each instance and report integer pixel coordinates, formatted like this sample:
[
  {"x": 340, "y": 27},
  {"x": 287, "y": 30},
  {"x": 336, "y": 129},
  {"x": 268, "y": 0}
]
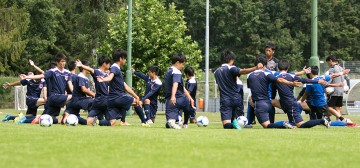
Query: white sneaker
[
  {"x": 150, "y": 121},
  {"x": 288, "y": 125},
  {"x": 348, "y": 121},
  {"x": 174, "y": 126}
]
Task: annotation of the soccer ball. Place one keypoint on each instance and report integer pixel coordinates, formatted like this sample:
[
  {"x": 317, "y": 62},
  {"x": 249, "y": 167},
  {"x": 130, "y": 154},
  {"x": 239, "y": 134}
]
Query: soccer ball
[
  {"x": 242, "y": 121},
  {"x": 46, "y": 120},
  {"x": 202, "y": 121},
  {"x": 72, "y": 120},
  {"x": 329, "y": 90}
]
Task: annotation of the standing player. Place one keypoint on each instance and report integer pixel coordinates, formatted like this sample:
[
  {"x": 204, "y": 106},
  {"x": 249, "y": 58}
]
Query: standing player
[
  {"x": 57, "y": 79},
  {"x": 99, "y": 105},
  {"x": 149, "y": 100},
  {"x": 226, "y": 77},
  {"x": 191, "y": 87},
  {"x": 258, "y": 83},
  {"x": 82, "y": 97},
  {"x": 287, "y": 100},
  {"x": 118, "y": 101},
  {"x": 177, "y": 97}
]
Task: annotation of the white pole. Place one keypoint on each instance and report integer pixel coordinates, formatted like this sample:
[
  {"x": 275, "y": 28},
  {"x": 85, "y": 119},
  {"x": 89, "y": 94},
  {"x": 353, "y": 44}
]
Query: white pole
[{"x": 206, "y": 105}]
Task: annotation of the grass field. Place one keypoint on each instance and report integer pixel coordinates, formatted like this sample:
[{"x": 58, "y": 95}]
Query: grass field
[{"x": 134, "y": 146}]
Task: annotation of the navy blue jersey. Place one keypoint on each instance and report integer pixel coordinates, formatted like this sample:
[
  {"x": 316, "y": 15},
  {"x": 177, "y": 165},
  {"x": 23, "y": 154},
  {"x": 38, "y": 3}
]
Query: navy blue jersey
[
  {"x": 33, "y": 87},
  {"x": 57, "y": 81},
  {"x": 100, "y": 87},
  {"x": 258, "y": 82},
  {"x": 286, "y": 92},
  {"x": 173, "y": 75},
  {"x": 152, "y": 88},
  {"x": 240, "y": 88},
  {"x": 68, "y": 91},
  {"x": 316, "y": 91},
  {"x": 116, "y": 85},
  {"x": 225, "y": 77},
  {"x": 191, "y": 86},
  {"x": 79, "y": 81}
]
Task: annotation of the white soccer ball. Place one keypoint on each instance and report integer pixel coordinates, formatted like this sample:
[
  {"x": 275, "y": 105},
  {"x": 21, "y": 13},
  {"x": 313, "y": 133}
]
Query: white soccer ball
[
  {"x": 242, "y": 120},
  {"x": 46, "y": 120},
  {"x": 72, "y": 120},
  {"x": 346, "y": 88},
  {"x": 329, "y": 90},
  {"x": 202, "y": 121}
]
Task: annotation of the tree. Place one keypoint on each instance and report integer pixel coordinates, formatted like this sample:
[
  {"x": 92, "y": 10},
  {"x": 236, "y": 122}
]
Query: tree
[
  {"x": 13, "y": 25},
  {"x": 158, "y": 33}
]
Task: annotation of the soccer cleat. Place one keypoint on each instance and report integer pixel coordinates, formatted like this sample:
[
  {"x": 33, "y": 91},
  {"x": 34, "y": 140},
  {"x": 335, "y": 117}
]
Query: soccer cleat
[
  {"x": 173, "y": 125},
  {"x": 347, "y": 121},
  {"x": 288, "y": 125},
  {"x": 185, "y": 126},
  {"x": 145, "y": 125},
  {"x": 235, "y": 124},
  {"x": 248, "y": 126},
  {"x": 36, "y": 120},
  {"x": 6, "y": 118},
  {"x": 95, "y": 121},
  {"x": 21, "y": 120},
  {"x": 20, "y": 115},
  {"x": 351, "y": 124},
  {"x": 150, "y": 121},
  {"x": 326, "y": 123},
  {"x": 124, "y": 123}
]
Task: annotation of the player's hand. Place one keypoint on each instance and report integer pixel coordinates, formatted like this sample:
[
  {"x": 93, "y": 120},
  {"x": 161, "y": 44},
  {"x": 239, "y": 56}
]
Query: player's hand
[
  {"x": 78, "y": 63},
  {"x": 100, "y": 79},
  {"x": 260, "y": 66},
  {"x": 297, "y": 84},
  {"x": 346, "y": 71},
  {"x": 173, "y": 100},
  {"x": 22, "y": 76},
  {"x": 31, "y": 62},
  {"x": 139, "y": 103},
  {"x": 322, "y": 82},
  {"x": 132, "y": 70},
  {"x": 6, "y": 85},
  {"x": 307, "y": 70},
  {"x": 192, "y": 103}
]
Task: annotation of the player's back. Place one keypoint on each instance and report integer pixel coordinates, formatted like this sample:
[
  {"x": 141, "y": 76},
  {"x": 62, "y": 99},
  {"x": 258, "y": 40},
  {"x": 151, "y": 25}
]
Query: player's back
[
  {"x": 100, "y": 87},
  {"x": 34, "y": 88},
  {"x": 191, "y": 85},
  {"x": 116, "y": 85},
  {"x": 226, "y": 80},
  {"x": 173, "y": 75},
  {"x": 286, "y": 92},
  {"x": 258, "y": 83},
  {"x": 79, "y": 81},
  {"x": 316, "y": 91}
]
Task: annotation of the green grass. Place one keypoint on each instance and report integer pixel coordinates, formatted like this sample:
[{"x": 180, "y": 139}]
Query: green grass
[{"x": 134, "y": 146}]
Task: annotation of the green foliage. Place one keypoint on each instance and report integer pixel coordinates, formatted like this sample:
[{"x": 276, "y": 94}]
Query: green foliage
[
  {"x": 7, "y": 95},
  {"x": 158, "y": 33}
]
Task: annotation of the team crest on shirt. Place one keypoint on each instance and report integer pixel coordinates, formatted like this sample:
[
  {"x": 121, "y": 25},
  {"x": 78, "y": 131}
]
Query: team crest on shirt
[
  {"x": 41, "y": 86},
  {"x": 66, "y": 78}
]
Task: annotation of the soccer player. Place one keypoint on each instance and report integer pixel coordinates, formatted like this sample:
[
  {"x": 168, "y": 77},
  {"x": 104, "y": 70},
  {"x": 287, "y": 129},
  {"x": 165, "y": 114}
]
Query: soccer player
[
  {"x": 191, "y": 87},
  {"x": 177, "y": 97},
  {"x": 118, "y": 101},
  {"x": 258, "y": 83},
  {"x": 287, "y": 100},
  {"x": 230, "y": 99},
  {"x": 99, "y": 105},
  {"x": 57, "y": 79},
  {"x": 149, "y": 100},
  {"x": 33, "y": 100},
  {"x": 82, "y": 97}
]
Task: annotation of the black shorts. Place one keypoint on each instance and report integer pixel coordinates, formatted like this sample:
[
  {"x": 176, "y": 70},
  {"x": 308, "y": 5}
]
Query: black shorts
[{"x": 335, "y": 101}]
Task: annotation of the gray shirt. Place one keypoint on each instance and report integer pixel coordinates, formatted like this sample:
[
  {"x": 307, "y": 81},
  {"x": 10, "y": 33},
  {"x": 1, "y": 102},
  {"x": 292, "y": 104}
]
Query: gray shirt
[{"x": 338, "y": 91}]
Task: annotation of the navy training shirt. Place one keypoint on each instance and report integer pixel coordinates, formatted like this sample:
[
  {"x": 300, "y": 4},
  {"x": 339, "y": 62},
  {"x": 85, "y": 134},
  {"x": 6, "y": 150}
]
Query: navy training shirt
[
  {"x": 225, "y": 77},
  {"x": 152, "y": 88},
  {"x": 173, "y": 75},
  {"x": 57, "y": 81},
  {"x": 116, "y": 85},
  {"x": 258, "y": 82},
  {"x": 33, "y": 87},
  {"x": 100, "y": 87},
  {"x": 191, "y": 86},
  {"x": 79, "y": 81}
]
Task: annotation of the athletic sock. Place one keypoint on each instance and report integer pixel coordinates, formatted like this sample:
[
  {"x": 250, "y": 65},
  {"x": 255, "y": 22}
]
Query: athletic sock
[
  {"x": 186, "y": 117},
  {"x": 12, "y": 117},
  {"x": 272, "y": 115},
  {"x": 275, "y": 125},
  {"x": 312, "y": 123},
  {"x": 29, "y": 119},
  {"x": 250, "y": 113},
  {"x": 341, "y": 118},
  {"x": 55, "y": 121},
  {"x": 139, "y": 111},
  {"x": 228, "y": 126},
  {"x": 147, "y": 110},
  {"x": 104, "y": 123},
  {"x": 123, "y": 116},
  {"x": 82, "y": 121}
]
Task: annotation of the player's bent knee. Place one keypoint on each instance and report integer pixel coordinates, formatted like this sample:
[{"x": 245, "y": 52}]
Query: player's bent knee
[{"x": 146, "y": 101}]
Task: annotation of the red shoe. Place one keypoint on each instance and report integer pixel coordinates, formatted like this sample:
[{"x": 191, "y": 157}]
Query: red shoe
[
  {"x": 36, "y": 120},
  {"x": 351, "y": 125}
]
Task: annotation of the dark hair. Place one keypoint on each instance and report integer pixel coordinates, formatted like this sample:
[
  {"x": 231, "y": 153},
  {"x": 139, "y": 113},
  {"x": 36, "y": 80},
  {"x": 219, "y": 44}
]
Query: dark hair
[
  {"x": 270, "y": 45},
  {"x": 260, "y": 59},
  {"x": 178, "y": 57},
  {"x": 308, "y": 76},
  {"x": 103, "y": 59},
  {"x": 331, "y": 57},
  {"x": 71, "y": 65},
  {"x": 227, "y": 55},
  {"x": 84, "y": 62},
  {"x": 119, "y": 53},
  {"x": 154, "y": 69},
  {"x": 52, "y": 65},
  {"x": 59, "y": 57},
  {"x": 314, "y": 70},
  {"x": 283, "y": 65},
  {"x": 189, "y": 70}
]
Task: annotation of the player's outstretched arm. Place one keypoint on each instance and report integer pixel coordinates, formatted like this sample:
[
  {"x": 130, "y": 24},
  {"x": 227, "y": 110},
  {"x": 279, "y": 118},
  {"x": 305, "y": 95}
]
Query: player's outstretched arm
[
  {"x": 31, "y": 62},
  {"x": 133, "y": 94},
  {"x": 341, "y": 84},
  {"x": 248, "y": 70},
  {"x": 343, "y": 72},
  {"x": 304, "y": 71},
  {"x": 139, "y": 74},
  {"x": 35, "y": 77},
  {"x": 79, "y": 64},
  {"x": 107, "y": 79},
  {"x": 192, "y": 103},
  {"x": 286, "y": 82},
  {"x": 7, "y": 84}
]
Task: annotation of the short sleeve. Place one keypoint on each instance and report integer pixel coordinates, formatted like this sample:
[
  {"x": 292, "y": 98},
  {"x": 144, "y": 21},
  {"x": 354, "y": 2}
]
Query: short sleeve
[{"x": 24, "y": 82}]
